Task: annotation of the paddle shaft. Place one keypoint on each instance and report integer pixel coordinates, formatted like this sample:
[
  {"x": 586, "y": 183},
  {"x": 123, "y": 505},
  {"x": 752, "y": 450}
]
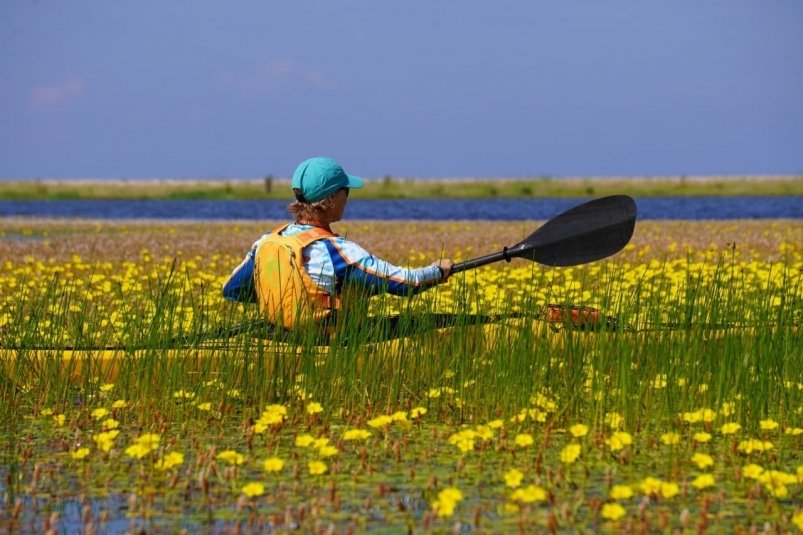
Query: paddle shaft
[{"x": 481, "y": 261}]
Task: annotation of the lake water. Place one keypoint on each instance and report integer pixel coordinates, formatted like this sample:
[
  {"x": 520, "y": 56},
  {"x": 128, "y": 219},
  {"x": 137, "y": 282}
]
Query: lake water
[{"x": 439, "y": 209}]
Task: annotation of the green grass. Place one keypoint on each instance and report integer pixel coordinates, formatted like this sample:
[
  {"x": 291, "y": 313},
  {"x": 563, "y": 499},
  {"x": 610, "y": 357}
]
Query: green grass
[{"x": 400, "y": 188}]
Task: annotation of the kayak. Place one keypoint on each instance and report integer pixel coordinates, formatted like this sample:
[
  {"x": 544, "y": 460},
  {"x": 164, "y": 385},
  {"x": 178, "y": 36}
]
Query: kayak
[
  {"x": 228, "y": 347},
  {"x": 217, "y": 355}
]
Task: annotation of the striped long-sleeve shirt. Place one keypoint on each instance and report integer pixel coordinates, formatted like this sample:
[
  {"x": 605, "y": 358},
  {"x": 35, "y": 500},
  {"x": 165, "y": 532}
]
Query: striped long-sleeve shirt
[{"x": 333, "y": 263}]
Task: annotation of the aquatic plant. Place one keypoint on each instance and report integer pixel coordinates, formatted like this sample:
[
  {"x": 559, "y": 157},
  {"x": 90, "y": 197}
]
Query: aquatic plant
[{"x": 687, "y": 415}]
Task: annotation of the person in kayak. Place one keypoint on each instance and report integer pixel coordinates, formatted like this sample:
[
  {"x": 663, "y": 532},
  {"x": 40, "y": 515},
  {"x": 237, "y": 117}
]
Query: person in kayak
[{"x": 298, "y": 271}]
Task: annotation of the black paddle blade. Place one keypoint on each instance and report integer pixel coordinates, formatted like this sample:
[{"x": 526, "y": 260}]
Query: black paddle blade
[{"x": 585, "y": 233}]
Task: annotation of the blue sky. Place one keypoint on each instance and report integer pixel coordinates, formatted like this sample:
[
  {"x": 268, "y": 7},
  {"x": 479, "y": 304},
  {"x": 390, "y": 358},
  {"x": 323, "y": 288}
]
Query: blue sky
[{"x": 210, "y": 89}]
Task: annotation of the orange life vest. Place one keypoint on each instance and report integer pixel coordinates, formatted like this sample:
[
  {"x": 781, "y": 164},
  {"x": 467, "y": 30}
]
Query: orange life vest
[{"x": 287, "y": 295}]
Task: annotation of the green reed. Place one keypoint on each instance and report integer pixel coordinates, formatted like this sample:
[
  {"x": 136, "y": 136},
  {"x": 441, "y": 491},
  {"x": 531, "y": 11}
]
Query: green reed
[{"x": 716, "y": 341}]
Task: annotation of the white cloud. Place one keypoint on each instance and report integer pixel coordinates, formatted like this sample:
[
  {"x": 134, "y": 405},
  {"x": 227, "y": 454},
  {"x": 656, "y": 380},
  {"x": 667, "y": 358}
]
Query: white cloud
[
  {"x": 49, "y": 96},
  {"x": 273, "y": 75}
]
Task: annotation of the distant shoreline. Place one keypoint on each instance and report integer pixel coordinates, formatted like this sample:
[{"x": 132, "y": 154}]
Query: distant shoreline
[{"x": 400, "y": 188}]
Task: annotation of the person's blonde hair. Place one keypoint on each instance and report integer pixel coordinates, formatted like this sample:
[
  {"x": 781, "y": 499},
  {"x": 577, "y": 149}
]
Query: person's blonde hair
[{"x": 316, "y": 211}]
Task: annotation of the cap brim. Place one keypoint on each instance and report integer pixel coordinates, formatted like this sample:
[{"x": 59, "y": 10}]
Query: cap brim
[{"x": 355, "y": 181}]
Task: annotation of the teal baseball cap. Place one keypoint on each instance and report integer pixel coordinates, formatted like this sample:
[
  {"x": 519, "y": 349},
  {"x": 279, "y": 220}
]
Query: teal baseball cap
[{"x": 319, "y": 177}]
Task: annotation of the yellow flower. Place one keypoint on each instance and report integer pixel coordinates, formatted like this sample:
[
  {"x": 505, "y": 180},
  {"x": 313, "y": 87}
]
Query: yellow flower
[
  {"x": 328, "y": 451},
  {"x": 578, "y": 430},
  {"x": 754, "y": 445},
  {"x": 46, "y": 412},
  {"x": 276, "y": 409},
  {"x": 700, "y": 415},
  {"x": 443, "y": 509},
  {"x": 80, "y": 453},
  {"x": 692, "y": 417},
  {"x": 260, "y": 426},
  {"x": 97, "y": 414},
  {"x": 417, "y": 412},
  {"x": 143, "y": 445},
  {"x": 621, "y": 492},
  {"x": 170, "y": 460},
  {"x": 794, "y": 431},
  {"x": 659, "y": 382},
  {"x": 314, "y": 408},
  {"x": 619, "y": 439},
  {"x": 119, "y": 404},
  {"x": 768, "y": 425},
  {"x": 148, "y": 440},
  {"x": 510, "y": 508},
  {"x": 614, "y": 420},
  {"x": 730, "y": 428},
  {"x": 106, "y": 387},
  {"x": 110, "y": 423},
  {"x": 317, "y": 468},
  {"x": 105, "y": 444},
  {"x": 496, "y": 424},
  {"x": 613, "y": 511},
  {"x": 513, "y": 478},
  {"x": 302, "y": 441},
  {"x": 529, "y": 494},
  {"x": 465, "y": 445},
  {"x": 207, "y": 406},
  {"x": 537, "y": 415},
  {"x": 483, "y": 432},
  {"x": 650, "y": 485},
  {"x": 253, "y": 490},
  {"x": 464, "y": 440},
  {"x": 797, "y": 519},
  {"x": 776, "y": 477},
  {"x": 702, "y": 460},
  {"x": 320, "y": 442},
  {"x": 703, "y": 481},
  {"x": 542, "y": 400},
  {"x": 701, "y": 437},
  {"x": 752, "y": 471},
  {"x": 670, "y": 438},
  {"x": 231, "y": 457},
  {"x": 60, "y": 419},
  {"x": 399, "y": 416},
  {"x": 273, "y": 464},
  {"x": 452, "y": 494},
  {"x": 380, "y": 421},
  {"x": 570, "y": 453},
  {"x": 708, "y": 415},
  {"x": 137, "y": 450},
  {"x": 669, "y": 489},
  {"x": 446, "y": 502},
  {"x": 776, "y": 489},
  {"x": 183, "y": 394},
  {"x": 272, "y": 415},
  {"x": 523, "y": 440},
  {"x": 105, "y": 440},
  {"x": 356, "y": 434}
]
